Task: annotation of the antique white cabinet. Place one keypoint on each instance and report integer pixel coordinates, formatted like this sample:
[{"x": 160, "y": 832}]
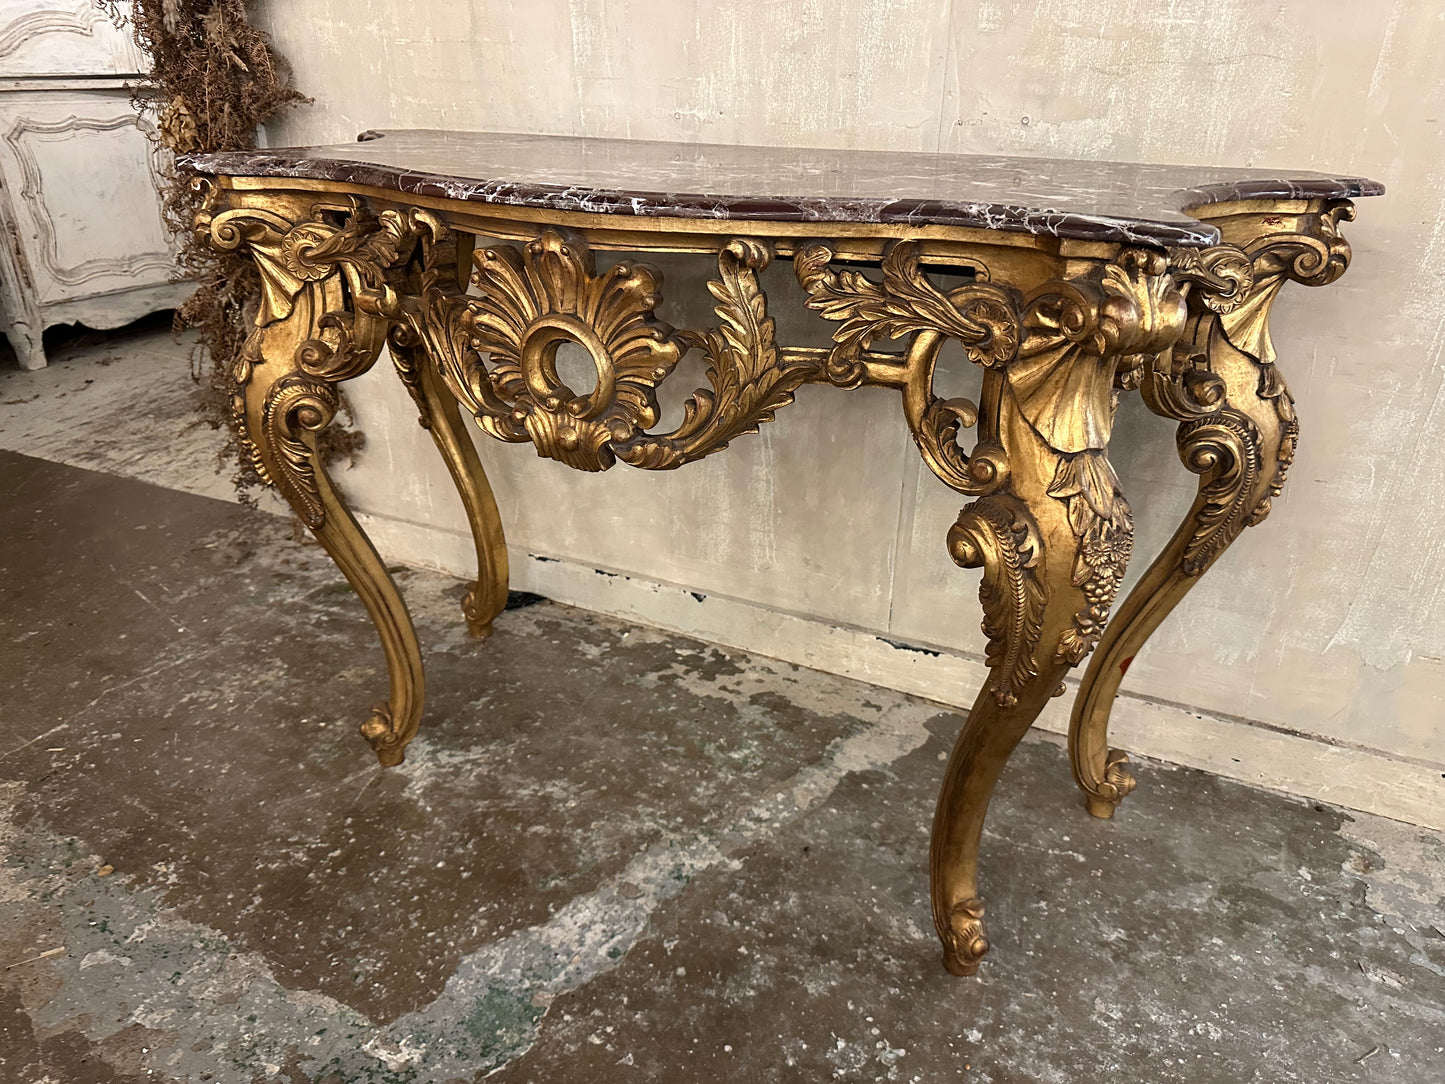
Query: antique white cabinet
[{"x": 81, "y": 234}]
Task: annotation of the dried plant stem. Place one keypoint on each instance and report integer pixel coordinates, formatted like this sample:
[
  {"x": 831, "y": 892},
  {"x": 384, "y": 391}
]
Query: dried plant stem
[{"x": 215, "y": 79}]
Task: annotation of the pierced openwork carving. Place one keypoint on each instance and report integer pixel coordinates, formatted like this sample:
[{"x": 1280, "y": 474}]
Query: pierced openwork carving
[
  {"x": 982, "y": 317},
  {"x": 750, "y": 378},
  {"x": 498, "y": 353},
  {"x": 534, "y": 300}
]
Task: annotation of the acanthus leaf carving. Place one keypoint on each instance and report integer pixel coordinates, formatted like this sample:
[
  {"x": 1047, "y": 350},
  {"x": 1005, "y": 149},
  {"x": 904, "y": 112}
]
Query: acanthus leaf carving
[
  {"x": 295, "y": 406},
  {"x": 965, "y": 940},
  {"x": 980, "y": 316},
  {"x": 998, "y": 534},
  {"x": 1272, "y": 388},
  {"x": 497, "y": 352},
  {"x": 749, "y": 378},
  {"x": 330, "y": 275}
]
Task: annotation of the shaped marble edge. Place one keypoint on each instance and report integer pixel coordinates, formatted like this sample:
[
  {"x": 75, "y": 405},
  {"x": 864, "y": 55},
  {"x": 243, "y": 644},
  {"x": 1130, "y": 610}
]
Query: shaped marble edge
[{"x": 1126, "y": 203}]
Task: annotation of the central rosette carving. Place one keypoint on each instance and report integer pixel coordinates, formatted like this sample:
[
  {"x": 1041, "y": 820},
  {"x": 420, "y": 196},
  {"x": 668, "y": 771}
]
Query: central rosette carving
[
  {"x": 547, "y": 294},
  {"x": 497, "y": 352}
]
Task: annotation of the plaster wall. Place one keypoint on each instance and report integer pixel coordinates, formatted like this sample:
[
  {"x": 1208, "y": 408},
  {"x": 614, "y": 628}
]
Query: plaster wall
[{"x": 1327, "y": 621}]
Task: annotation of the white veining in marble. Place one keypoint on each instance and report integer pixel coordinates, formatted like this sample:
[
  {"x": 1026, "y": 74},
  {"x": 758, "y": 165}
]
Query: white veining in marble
[{"x": 1103, "y": 201}]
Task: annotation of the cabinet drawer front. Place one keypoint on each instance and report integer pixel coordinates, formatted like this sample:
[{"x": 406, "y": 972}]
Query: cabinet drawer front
[{"x": 78, "y": 173}]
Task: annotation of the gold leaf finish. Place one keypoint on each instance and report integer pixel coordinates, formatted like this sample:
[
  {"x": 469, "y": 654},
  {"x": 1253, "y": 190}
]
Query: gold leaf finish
[
  {"x": 1237, "y": 431},
  {"x": 548, "y": 293},
  {"x": 980, "y": 317},
  {"x": 1058, "y": 329},
  {"x": 749, "y": 379},
  {"x": 998, "y": 535}
]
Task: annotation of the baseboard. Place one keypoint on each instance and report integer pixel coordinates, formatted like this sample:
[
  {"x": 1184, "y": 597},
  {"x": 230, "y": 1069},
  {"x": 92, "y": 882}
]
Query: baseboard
[{"x": 1240, "y": 749}]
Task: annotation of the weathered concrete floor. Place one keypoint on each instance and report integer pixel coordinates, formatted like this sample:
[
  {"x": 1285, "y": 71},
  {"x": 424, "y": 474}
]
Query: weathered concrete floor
[{"x": 612, "y": 854}]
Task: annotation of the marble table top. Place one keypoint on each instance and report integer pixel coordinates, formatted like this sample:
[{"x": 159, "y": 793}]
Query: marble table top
[{"x": 1093, "y": 201}]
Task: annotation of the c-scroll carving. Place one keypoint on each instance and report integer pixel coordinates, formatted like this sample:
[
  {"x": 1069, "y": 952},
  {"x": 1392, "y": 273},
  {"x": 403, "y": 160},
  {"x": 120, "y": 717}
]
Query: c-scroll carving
[
  {"x": 1237, "y": 431},
  {"x": 497, "y": 353},
  {"x": 342, "y": 261},
  {"x": 981, "y": 317},
  {"x": 1231, "y": 291},
  {"x": 998, "y": 534}
]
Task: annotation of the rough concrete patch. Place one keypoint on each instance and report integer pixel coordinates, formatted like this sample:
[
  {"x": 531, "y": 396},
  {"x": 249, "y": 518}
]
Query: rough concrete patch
[
  {"x": 131, "y": 962},
  {"x": 492, "y": 1008},
  {"x": 1403, "y": 869}
]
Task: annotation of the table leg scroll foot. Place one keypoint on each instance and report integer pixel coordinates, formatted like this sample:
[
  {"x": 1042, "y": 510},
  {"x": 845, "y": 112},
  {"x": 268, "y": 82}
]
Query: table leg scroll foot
[
  {"x": 983, "y": 747},
  {"x": 1117, "y": 782},
  {"x": 965, "y": 942}
]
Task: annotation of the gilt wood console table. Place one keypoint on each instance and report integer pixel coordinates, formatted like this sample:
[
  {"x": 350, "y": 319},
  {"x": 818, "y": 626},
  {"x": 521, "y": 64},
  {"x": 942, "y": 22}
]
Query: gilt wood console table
[{"x": 1081, "y": 280}]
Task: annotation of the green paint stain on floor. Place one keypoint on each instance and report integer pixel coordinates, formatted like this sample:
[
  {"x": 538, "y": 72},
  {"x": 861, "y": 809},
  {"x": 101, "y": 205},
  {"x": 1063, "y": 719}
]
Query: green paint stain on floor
[{"x": 503, "y": 1023}]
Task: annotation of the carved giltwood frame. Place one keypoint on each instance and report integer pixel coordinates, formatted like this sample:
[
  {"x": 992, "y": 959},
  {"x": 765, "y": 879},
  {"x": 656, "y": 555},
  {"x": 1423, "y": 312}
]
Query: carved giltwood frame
[{"x": 1058, "y": 327}]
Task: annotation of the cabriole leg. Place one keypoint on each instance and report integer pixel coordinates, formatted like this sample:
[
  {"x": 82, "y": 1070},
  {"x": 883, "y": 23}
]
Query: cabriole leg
[
  {"x": 283, "y": 410},
  {"x": 1044, "y": 589},
  {"x": 328, "y": 272},
  {"x": 1241, "y": 451},
  {"x": 1050, "y": 527},
  {"x": 439, "y": 414},
  {"x": 1237, "y": 431}
]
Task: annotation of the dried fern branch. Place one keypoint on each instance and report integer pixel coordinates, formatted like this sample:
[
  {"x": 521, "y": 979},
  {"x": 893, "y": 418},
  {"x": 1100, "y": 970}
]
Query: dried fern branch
[{"x": 215, "y": 79}]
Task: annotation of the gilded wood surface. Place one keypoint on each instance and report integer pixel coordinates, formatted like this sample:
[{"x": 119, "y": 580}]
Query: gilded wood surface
[
  {"x": 1237, "y": 431},
  {"x": 1057, "y": 335}
]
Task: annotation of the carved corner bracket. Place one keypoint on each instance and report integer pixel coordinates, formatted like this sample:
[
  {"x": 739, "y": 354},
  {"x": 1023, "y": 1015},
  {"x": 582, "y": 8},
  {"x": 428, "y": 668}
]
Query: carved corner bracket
[
  {"x": 1223, "y": 370},
  {"x": 1053, "y": 358},
  {"x": 329, "y": 294}
]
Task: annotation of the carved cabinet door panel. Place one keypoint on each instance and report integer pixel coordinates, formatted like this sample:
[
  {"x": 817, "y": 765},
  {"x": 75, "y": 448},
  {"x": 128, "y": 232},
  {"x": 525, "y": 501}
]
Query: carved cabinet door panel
[
  {"x": 78, "y": 172},
  {"x": 63, "y": 37}
]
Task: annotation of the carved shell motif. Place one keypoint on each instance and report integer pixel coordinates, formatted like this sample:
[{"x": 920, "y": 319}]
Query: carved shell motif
[{"x": 548, "y": 293}]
